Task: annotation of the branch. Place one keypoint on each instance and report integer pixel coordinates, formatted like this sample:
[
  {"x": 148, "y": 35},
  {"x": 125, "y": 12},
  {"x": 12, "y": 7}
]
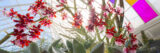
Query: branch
[{"x": 5, "y": 38}]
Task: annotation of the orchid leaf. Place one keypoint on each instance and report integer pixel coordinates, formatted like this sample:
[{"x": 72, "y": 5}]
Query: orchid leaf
[
  {"x": 114, "y": 50},
  {"x": 4, "y": 51},
  {"x": 34, "y": 48},
  {"x": 56, "y": 50},
  {"x": 78, "y": 47},
  {"x": 88, "y": 43},
  {"x": 99, "y": 48},
  {"x": 69, "y": 45},
  {"x": 113, "y": 40},
  {"x": 98, "y": 34},
  {"x": 54, "y": 44},
  {"x": 144, "y": 37},
  {"x": 69, "y": 37},
  {"x": 82, "y": 32}
]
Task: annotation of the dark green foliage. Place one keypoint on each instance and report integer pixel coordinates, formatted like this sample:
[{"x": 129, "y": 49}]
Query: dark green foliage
[
  {"x": 54, "y": 44},
  {"x": 34, "y": 48},
  {"x": 78, "y": 47},
  {"x": 4, "y": 51},
  {"x": 69, "y": 45},
  {"x": 99, "y": 48},
  {"x": 114, "y": 50}
]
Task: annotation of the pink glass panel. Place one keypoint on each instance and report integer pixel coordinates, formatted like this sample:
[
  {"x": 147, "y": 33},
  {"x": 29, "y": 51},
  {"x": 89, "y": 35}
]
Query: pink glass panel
[{"x": 144, "y": 10}]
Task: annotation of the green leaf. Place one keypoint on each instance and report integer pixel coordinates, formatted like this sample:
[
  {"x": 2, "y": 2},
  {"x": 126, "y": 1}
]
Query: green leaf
[
  {"x": 99, "y": 48},
  {"x": 113, "y": 50},
  {"x": 69, "y": 37},
  {"x": 4, "y": 51},
  {"x": 128, "y": 43},
  {"x": 54, "y": 44},
  {"x": 144, "y": 38},
  {"x": 142, "y": 50},
  {"x": 56, "y": 50},
  {"x": 88, "y": 43},
  {"x": 113, "y": 40},
  {"x": 82, "y": 32},
  {"x": 34, "y": 48},
  {"x": 98, "y": 34},
  {"x": 69, "y": 45},
  {"x": 78, "y": 47}
]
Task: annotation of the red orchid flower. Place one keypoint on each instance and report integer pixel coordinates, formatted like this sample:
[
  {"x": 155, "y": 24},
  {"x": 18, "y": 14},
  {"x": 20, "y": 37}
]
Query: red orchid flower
[
  {"x": 35, "y": 31},
  {"x": 28, "y": 16},
  {"x": 59, "y": 5},
  {"x": 17, "y": 32},
  {"x": 12, "y": 13},
  {"x": 45, "y": 22},
  {"x": 90, "y": 2},
  {"x": 39, "y": 4},
  {"x": 21, "y": 43},
  {"x": 119, "y": 40},
  {"x": 77, "y": 20},
  {"x": 110, "y": 32},
  {"x": 131, "y": 49},
  {"x": 64, "y": 16},
  {"x": 101, "y": 24},
  {"x": 134, "y": 45},
  {"x": 129, "y": 28},
  {"x": 49, "y": 12},
  {"x": 134, "y": 39},
  {"x": 25, "y": 27},
  {"x": 63, "y": 1},
  {"x": 93, "y": 20}
]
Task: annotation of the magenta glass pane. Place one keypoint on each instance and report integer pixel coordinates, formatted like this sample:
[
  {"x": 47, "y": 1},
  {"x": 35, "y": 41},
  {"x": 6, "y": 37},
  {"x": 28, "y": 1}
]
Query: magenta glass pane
[
  {"x": 113, "y": 1},
  {"x": 144, "y": 10}
]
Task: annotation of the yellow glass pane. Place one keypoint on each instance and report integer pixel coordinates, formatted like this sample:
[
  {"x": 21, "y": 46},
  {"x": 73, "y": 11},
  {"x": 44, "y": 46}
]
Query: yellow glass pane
[{"x": 131, "y": 2}]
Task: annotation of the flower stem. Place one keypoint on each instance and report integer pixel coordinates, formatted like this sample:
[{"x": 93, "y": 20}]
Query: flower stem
[{"x": 5, "y": 38}]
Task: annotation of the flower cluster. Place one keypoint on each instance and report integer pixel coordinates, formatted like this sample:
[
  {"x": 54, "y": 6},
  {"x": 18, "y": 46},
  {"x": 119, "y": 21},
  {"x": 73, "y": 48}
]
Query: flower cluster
[
  {"x": 131, "y": 45},
  {"x": 64, "y": 15},
  {"x": 111, "y": 9},
  {"x": 21, "y": 38},
  {"x": 42, "y": 9},
  {"x": 110, "y": 32},
  {"x": 26, "y": 28},
  {"x": 35, "y": 31},
  {"x": 120, "y": 40},
  {"x": 77, "y": 20},
  {"x": 93, "y": 20},
  {"x": 12, "y": 13},
  {"x": 22, "y": 26},
  {"x": 34, "y": 8},
  {"x": 45, "y": 22},
  {"x": 39, "y": 6},
  {"x": 129, "y": 28},
  {"x": 130, "y": 42},
  {"x": 63, "y": 1},
  {"x": 49, "y": 12},
  {"x": 23, "y": 21}
]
